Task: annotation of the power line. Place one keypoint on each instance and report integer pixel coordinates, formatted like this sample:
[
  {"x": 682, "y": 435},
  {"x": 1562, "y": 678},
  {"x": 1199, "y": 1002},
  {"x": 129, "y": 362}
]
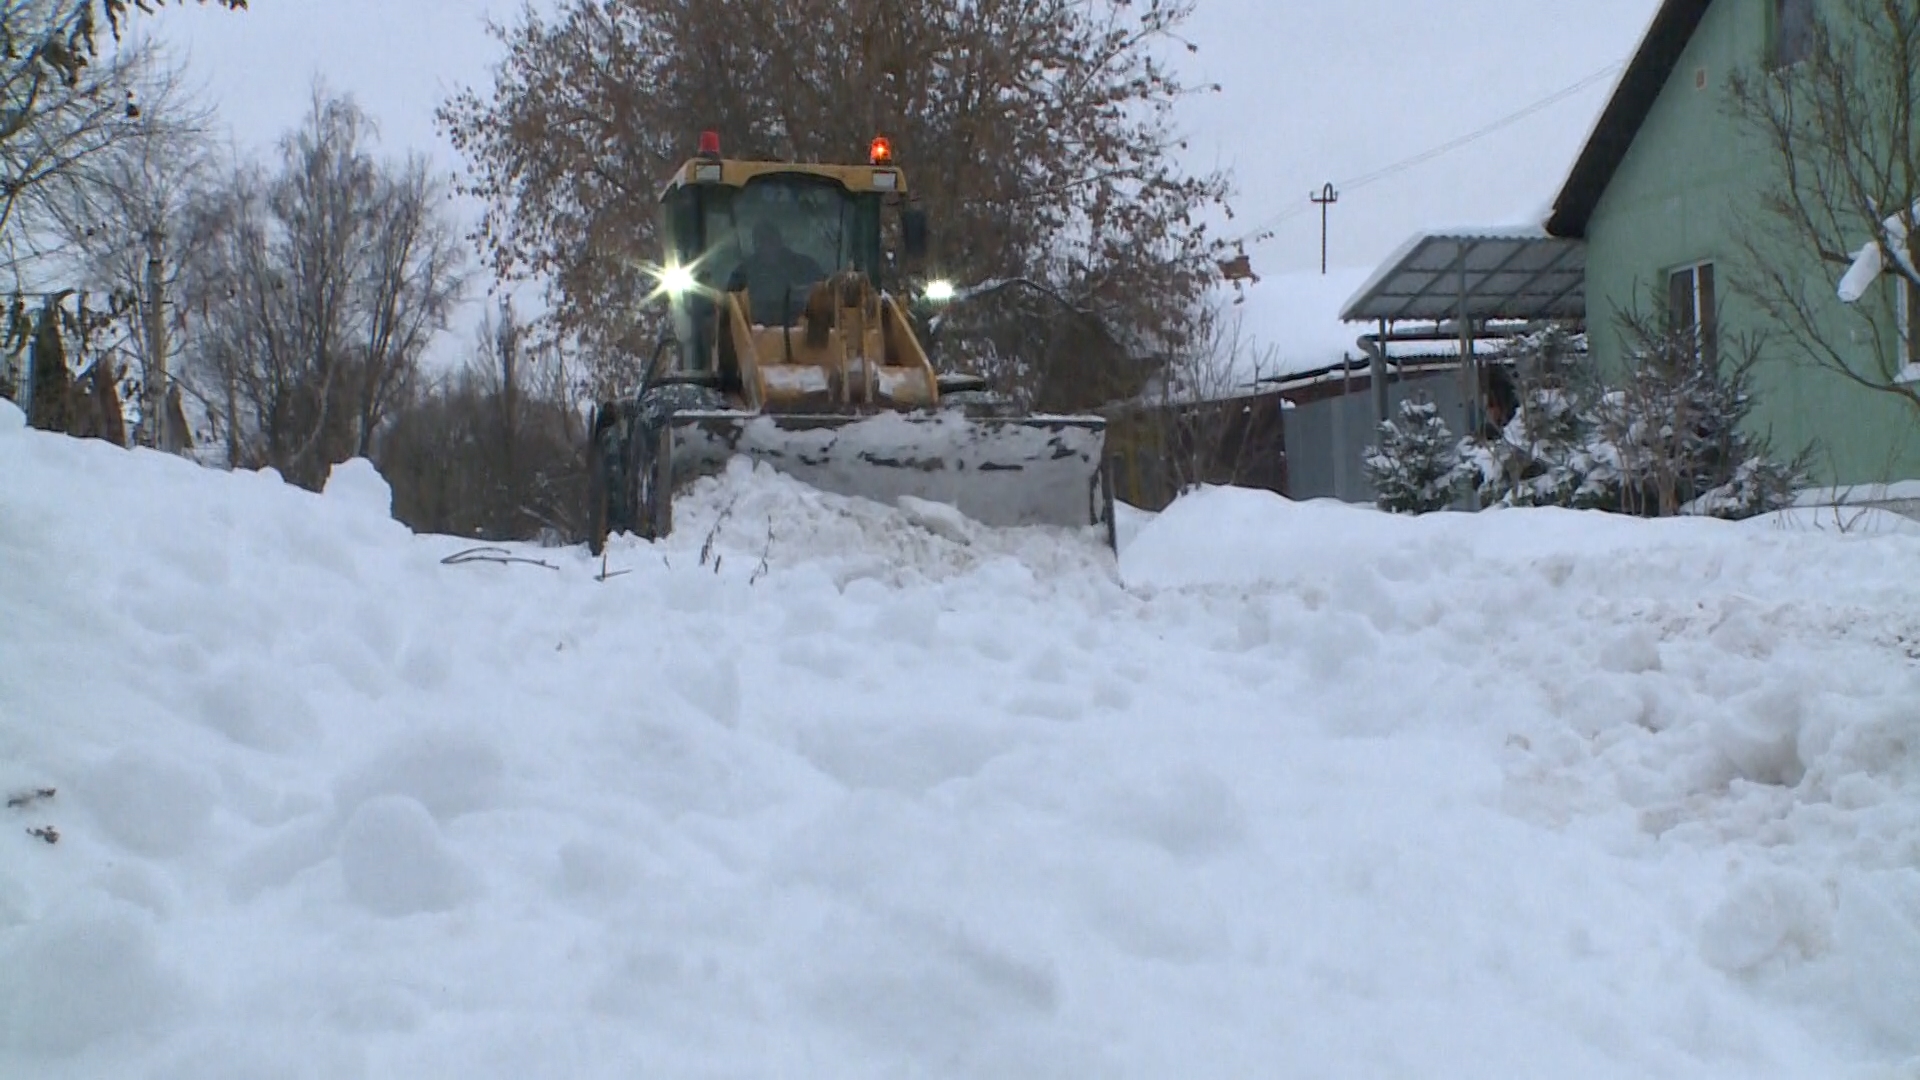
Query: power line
[
  {"x": 1506, "y": 121},
  {"x": 1450, "y": 146}
]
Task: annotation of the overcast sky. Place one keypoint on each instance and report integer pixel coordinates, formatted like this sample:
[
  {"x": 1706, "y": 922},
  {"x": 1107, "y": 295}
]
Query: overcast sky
[{"x": 1313, "y": 91}]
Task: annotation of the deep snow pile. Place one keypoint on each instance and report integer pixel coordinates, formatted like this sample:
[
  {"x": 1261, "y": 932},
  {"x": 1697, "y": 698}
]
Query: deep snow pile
[{"x": 824, "y": 788}]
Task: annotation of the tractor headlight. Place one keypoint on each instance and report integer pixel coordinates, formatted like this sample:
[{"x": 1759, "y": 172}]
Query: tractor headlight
[
  {"x": 675, "y": 280},
  {"x": 939, "y": 292}
]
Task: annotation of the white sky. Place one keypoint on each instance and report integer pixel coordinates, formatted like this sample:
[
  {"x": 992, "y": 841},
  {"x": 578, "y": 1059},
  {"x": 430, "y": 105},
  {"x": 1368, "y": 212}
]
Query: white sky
[{"x": 1313, "y": 90}]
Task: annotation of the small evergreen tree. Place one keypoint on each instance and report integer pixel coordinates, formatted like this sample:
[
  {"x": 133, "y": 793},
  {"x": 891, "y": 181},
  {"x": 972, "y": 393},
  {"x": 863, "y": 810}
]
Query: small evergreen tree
[
  {"x": 1415, "y": 468},
  {"x": 1677, "y": 425},
  {"x": 50, "y": 402}
]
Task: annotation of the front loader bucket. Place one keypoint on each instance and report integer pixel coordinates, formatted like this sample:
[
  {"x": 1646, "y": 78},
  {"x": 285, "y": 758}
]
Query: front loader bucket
[{"x": 999, "y": 471}]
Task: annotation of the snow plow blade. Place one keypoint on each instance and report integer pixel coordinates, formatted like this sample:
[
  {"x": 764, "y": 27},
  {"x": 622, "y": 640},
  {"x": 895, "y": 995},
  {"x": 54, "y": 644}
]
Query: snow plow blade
[{"x": 1000, "y": 471}]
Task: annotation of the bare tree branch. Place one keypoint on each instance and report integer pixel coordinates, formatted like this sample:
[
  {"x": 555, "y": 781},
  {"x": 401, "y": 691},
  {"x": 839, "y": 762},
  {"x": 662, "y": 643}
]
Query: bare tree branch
[{"x": 1840, "y": 130}]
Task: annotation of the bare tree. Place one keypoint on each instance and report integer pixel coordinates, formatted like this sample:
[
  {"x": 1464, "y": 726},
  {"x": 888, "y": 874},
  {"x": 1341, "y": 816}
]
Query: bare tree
[
  {"x": 1037, "y": 135},
  {"x": 498, "y": 373},
  {"x": 415, "y": 273},
  {"x": 1217, "y": 424},
  {"x": 1203, "y": 418},
  {"x": 67, "y": 118},
  {"x": 492, "y": 449},
  {"x": 60, "y": 105},
  {"x": 1839, "y": 111},
  {"x": 317, "y": 288},
  {"x": 118, "y": 221},
  {"x": 540, "y": 436}
]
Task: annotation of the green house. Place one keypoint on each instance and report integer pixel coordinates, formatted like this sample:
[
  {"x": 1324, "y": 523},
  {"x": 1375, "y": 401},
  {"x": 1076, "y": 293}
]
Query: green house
[{"x": 1669, "y": 194}]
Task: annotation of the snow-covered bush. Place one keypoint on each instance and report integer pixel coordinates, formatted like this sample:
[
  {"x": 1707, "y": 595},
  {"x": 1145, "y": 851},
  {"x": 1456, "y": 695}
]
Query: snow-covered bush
[
  {"x": 1415, "y": 468},
  {"x": 11, "y": 365},
  {"x": 1548, "y": 453},
  {"x": 1758, "y": 486},
  {"x": 1671, "y": 437}
]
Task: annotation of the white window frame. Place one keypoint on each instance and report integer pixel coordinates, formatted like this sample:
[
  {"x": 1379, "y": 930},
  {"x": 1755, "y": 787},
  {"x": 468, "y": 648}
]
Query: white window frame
[
  {"x": 1704, "y": 315},
  {"x": 1906, "y": 304}
]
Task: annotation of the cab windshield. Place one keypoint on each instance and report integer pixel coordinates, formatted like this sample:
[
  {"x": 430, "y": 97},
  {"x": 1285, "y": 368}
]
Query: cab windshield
[
  {"x": 781, "y": 234},
  {"x": 784, "y": 235}
]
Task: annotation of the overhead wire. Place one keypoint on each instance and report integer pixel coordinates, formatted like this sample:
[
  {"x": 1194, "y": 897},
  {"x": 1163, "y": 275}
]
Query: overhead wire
[{"x": 1384, "y": 172}]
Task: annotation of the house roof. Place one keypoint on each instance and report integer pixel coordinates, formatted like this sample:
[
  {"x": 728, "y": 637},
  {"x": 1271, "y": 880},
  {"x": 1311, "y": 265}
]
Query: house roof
[
  {"x": 1290, "y": 322},
  {"x": 1640, "y": 85},
  {"x": 1485, "y": 274}
]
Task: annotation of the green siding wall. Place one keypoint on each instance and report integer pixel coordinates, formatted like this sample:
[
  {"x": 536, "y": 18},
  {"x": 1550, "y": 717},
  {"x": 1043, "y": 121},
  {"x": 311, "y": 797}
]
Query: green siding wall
[{"x": 1680, "y": 196}]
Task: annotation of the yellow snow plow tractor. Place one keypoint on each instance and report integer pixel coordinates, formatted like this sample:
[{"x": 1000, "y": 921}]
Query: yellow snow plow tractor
[{"x": 786, "y": 345}]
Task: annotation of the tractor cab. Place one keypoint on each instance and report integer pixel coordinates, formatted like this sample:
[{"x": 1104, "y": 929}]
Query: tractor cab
[{"x": 776, "y": 229}]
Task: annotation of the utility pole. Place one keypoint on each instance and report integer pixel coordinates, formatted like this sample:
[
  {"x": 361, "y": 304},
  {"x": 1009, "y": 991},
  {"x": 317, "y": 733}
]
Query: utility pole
[
  {"x": 155, "y": 419},
  {"x": 1324, "y": 199}
]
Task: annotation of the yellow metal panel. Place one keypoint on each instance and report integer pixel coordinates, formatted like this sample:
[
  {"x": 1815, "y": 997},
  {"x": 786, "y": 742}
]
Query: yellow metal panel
[
  {"x": 755, "y": 391},
  {"x": 734, "y": 173},
  {"x": 906, "y": 350}
]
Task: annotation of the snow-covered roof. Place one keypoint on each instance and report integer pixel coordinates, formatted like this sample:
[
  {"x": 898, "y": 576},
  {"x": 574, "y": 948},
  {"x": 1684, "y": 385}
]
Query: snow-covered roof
[{"x": 1290, "y": 323}]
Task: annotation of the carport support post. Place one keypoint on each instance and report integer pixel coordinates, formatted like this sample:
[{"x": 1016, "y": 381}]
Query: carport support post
[
  {"x": 1340, "y": 451},
  {"x": 1470, "y": 374},
  {"x": 1377, "y": 368}
]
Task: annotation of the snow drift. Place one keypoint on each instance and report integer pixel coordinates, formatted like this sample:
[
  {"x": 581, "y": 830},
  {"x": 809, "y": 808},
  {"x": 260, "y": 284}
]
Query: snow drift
[{"x": 826, "y": 788}]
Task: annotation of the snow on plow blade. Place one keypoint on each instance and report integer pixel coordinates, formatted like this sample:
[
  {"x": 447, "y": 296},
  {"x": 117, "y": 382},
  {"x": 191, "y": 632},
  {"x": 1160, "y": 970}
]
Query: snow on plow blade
[{"x": 999, "y": 471}]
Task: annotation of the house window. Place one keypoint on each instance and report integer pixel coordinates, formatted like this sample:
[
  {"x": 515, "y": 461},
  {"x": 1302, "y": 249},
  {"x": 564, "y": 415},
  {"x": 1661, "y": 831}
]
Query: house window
[
  {"x": 1907, "y": 307},
  {"x": 1691, "y": 307},
  {"x": 1792, "y": 31}
]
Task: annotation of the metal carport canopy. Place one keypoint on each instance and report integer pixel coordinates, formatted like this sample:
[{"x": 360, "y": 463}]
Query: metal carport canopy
[{"x": 1481, "y": 274}]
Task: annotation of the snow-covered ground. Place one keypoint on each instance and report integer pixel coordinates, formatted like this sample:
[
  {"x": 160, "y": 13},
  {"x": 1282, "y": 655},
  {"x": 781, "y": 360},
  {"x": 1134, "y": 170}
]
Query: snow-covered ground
[{"x": 1291, "y": 790}]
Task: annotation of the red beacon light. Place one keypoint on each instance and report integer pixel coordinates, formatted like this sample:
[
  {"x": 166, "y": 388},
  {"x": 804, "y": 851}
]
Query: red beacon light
[
  {"x": 709, "y": 144},
  {"x": 881, "y": 152}
]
